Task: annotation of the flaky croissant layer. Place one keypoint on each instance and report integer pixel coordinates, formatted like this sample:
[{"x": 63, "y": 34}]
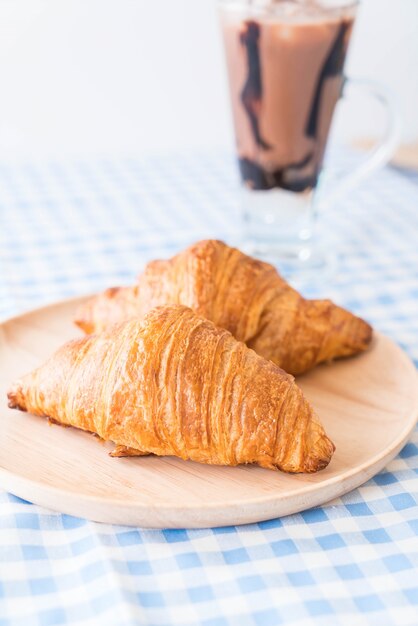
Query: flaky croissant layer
[
  {"x": 175, "y": 384},
  {"x": 246, "y": 296}
]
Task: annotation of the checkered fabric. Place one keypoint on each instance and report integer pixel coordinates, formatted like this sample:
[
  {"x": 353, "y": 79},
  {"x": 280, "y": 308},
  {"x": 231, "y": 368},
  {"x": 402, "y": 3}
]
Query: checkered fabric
[{"x": 72, "y": 228}]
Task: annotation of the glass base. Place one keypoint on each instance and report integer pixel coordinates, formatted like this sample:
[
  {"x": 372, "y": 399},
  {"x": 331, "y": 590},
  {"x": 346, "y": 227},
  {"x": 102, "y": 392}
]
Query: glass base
[
  {"x": 277, "y": 216},
  {"x": 278, "y": 227},
  {"x": 298, "y": 264}
]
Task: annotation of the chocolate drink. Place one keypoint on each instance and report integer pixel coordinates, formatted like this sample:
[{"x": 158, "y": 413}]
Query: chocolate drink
[{"x": 285, "y": 65}]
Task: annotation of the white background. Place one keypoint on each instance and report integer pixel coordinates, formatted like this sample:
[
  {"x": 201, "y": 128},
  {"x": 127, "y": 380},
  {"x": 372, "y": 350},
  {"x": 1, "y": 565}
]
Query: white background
[{"x": 84, "y": 77}]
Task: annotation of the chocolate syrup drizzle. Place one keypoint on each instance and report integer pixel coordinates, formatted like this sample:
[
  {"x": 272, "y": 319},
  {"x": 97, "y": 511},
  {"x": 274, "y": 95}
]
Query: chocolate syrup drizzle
[
  {"x": 332, "y": 67},
  {"x": 251, "y": 97},
  {"x": 261, "y": 179},
  {"x": 253, "y": 90}
]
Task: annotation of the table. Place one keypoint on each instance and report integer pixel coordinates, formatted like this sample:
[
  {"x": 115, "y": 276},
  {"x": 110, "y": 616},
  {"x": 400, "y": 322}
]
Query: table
[{"x": 69, "y": 228}]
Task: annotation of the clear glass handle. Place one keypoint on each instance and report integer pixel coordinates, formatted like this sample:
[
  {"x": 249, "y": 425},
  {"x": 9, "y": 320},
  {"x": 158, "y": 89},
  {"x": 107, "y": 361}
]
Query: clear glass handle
[{"x": 380, "y": 154}]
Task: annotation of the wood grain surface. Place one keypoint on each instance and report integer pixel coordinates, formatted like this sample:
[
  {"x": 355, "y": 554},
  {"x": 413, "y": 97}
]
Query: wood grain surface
[
  {"x": 406, "y": 155},
  {"x": 368, "y": 404}
]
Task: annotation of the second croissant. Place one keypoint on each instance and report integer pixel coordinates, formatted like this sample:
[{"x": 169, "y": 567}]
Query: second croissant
[{"x": 246, "y": 296}]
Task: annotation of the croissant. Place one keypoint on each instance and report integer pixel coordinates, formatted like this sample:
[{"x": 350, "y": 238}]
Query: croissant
[
  {"x": 175, "y": 384},
  {"x": 246, "y": 296}
]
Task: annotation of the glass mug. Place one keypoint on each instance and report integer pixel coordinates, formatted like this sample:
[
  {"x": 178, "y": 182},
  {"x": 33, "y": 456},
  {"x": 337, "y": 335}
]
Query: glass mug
[{"x": 285, "y": 62}]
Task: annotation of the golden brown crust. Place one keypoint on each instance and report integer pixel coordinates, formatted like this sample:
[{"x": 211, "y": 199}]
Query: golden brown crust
[
  {"x": 122, "y": 451},
  {"x": 247, "y": 297},
  {"x": 175, "y": 384}
]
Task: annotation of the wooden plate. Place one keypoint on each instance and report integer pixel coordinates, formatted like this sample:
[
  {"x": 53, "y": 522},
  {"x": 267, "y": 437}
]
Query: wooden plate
[{"x": 368, "y": 405}]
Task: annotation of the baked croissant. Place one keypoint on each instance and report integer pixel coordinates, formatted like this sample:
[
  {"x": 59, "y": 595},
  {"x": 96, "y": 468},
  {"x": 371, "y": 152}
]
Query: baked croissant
[
  {"x": 175, "y": 384},
  {"x": 246, "y": 296}
]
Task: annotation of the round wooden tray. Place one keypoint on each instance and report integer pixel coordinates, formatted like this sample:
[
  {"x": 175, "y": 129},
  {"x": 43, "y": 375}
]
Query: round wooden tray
[{"x": 368, "y": 405}]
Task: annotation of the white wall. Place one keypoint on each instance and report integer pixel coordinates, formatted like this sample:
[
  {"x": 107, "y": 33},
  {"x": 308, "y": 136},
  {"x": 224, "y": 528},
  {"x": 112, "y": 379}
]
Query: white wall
[
  {"x": 385, "y": 48},
  {"x": 127, "y": 76}
]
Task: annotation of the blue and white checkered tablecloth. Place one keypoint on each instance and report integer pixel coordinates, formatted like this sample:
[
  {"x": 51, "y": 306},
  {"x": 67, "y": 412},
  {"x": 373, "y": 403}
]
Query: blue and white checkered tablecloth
[{"x": 72, "y": 228}]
